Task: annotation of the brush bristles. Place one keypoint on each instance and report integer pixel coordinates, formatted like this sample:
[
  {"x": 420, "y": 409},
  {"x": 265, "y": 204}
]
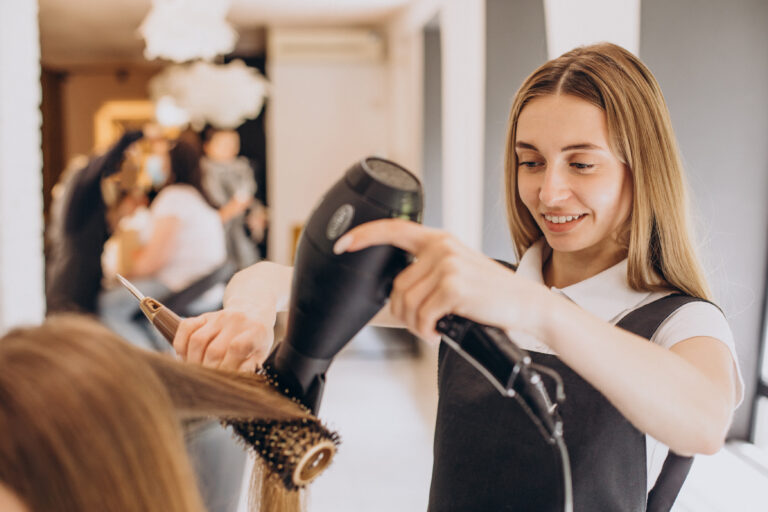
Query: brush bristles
[{"x": 282, "y": 445}]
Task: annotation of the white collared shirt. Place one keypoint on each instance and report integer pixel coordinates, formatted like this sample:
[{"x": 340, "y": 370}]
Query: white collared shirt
[{"x": 608, "y": 296}]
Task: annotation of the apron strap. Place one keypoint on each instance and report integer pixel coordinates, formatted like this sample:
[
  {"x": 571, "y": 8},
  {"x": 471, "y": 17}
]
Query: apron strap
[
  {"x": 644, "y": 322},
  {"x": 670, "y": 481}
]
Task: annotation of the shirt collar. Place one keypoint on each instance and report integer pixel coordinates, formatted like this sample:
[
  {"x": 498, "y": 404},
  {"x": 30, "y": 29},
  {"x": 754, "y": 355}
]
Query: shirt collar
[{"x": 606, "y": 295}]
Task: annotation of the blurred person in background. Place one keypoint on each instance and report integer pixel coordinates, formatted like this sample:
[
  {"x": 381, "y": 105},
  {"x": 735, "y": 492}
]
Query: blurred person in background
[
  {"x": 79, "y": 230},
  {"x": 229, "y": 181},
  {"x": 186, "y": 241}
]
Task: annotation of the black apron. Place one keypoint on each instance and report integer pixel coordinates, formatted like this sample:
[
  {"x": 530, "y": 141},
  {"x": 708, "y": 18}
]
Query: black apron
[{"x": 488, "y": 455}]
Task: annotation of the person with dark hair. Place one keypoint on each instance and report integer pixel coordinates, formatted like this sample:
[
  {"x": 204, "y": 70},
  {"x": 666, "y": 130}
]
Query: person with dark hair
[
  {"x": 185, "y": 244},
  {"x": 74, "y": 271}
]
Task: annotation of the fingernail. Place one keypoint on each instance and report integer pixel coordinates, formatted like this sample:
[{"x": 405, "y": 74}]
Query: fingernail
[{"x": 342, "y": 244}]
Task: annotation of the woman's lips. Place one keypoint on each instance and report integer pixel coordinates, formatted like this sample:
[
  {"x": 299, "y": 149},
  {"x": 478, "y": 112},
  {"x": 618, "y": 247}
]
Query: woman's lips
[{"x": 562, "y": 227}]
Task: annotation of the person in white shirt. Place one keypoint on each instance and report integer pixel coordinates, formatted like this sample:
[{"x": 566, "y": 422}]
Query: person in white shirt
[
  {"x": 186, "y": 243},
  {"x": 597, "y": 209}
]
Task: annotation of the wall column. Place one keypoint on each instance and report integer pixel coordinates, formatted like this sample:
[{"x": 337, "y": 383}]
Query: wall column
[
  {"x": 22, "y": 297},
  {"x": 463, "y": 36}
]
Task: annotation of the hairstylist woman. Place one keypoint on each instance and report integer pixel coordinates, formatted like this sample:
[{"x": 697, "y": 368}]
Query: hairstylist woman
[{"x": 596, "y": 205}]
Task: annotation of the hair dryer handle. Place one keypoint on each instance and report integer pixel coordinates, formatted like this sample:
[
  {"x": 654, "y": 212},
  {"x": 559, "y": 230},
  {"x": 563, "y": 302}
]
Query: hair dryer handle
[{"x": 505, "y": 365}]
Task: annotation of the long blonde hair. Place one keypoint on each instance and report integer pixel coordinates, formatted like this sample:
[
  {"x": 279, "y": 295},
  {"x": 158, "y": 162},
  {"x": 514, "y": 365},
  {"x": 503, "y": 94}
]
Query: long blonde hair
[
  {"x": 88, "y": 422},
  {"x": 660, "y": 243}
]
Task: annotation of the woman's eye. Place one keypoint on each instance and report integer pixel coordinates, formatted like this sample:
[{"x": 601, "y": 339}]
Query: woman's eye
[
  {"x": 530, "y": 164},
  {"x": 579, "y": 165}
]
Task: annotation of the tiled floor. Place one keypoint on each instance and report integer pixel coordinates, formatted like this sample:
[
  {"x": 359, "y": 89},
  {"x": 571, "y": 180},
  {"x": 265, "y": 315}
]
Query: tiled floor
[{"x": 384, "y": 410}]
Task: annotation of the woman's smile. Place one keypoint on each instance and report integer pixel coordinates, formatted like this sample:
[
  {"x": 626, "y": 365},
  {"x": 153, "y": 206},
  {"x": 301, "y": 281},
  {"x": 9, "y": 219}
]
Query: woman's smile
[{"x": 562, "y": 223}]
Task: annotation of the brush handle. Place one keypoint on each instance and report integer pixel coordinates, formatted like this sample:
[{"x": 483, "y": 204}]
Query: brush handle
[
  {"x": 164, "y": 320},
  {"x": 167, "y": 322}
]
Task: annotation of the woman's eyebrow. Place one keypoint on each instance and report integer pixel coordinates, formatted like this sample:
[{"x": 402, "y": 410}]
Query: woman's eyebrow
[
  {"x": 525, "y": 145},
  {"x": 570, "y": 147},
  {"x": 583, "y": 145}
]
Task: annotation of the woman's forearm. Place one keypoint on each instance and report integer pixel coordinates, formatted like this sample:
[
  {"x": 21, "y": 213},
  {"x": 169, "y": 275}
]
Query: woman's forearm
[
  {"x": 687, "y": 407},
  {"x": 262, "y": 288},
  {"x": 265, "y": 288}
]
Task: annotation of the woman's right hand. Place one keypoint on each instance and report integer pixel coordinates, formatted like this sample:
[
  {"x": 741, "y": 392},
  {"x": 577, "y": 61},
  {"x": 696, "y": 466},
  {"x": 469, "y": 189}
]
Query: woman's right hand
[
  {"x": 240, "y": 336},
  {"x": 225, "y": 339}
]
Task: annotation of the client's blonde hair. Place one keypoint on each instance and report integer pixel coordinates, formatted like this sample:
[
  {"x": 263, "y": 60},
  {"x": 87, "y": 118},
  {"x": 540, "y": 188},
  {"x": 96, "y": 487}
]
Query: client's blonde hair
[{"x": 88, "y": 422}]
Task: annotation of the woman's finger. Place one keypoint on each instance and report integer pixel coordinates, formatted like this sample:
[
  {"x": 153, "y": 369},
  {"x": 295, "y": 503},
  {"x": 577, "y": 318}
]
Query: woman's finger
[
  {"x": 183, "y": 333},
  {"x": 200, "y": 339},
  {"x": 404, "y": 281},
  {"x": 413, "y": 299},
  {"x": 216, "y": 350},
  {"x": 441, "y": 301},
  {"x": 243, "y": 349},
  {"x": 250, "y": 365},
  {"x": 407, "y": 235}
]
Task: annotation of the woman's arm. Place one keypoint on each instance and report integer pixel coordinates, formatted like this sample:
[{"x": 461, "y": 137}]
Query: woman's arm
[
  {"x": 155, "y": 254},
  {"x": 684, "y": 396},
  {"x": 240, "y": 336},
  {"x": 261, "y": 290}
]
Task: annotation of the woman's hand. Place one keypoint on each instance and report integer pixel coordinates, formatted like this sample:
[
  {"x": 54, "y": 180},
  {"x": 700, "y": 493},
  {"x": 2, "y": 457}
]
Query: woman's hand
[
  {"x": 445, "y": 277},
  {"x": 226, "y": 339},
  {"x": 240, "y": 336}
]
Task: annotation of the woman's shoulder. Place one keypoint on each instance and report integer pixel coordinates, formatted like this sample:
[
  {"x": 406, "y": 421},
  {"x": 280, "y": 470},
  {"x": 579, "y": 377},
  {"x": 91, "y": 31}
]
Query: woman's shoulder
[
  {"x": 695, "y": 318},
  {"x": 175, "y": 196}
]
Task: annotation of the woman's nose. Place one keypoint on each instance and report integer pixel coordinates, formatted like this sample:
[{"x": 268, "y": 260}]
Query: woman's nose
[{"x": 555, "y": 188}]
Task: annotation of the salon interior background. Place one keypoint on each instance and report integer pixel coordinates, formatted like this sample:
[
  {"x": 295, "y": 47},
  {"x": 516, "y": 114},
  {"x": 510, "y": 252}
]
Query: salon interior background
[{"x": 431, "y": 90}]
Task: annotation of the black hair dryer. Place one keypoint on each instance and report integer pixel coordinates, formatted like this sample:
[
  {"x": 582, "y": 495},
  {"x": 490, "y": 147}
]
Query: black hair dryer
[{"x": 334, "y": 296}]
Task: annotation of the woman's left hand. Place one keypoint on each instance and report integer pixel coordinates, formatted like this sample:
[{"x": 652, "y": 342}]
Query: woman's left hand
[{"x": 445, "y": 277}]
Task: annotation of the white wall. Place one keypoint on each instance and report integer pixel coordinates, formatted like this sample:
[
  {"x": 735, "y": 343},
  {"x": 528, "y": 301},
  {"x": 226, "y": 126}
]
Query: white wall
[
  {"x": 323, "y": 116},
  {"x": 462, "y": 24},
  {"x": 712, "y": 66},
  {"x": 462, "y": 32},
  {"x": 571, "y": 24},
  {"x": 21, "y": 199},
  {"x": 511, "y": 55}
]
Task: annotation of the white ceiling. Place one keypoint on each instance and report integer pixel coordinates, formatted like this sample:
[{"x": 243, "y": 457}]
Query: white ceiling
[{"x": 85, "y": 32}]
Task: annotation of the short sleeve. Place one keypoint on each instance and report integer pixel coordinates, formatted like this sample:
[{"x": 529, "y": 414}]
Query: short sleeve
[
  {"x": 699, "y": 319},
  {"x": 172, "y": 201}
]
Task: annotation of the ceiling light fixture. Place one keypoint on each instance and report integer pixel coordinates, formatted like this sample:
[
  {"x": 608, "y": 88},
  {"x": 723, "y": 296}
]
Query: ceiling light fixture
[{"x": 184, "y": 30}]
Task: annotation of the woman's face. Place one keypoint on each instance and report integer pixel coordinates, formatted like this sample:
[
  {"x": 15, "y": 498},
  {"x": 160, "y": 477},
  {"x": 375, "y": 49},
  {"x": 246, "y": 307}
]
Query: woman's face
[{"x": 578, "y": 191}]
